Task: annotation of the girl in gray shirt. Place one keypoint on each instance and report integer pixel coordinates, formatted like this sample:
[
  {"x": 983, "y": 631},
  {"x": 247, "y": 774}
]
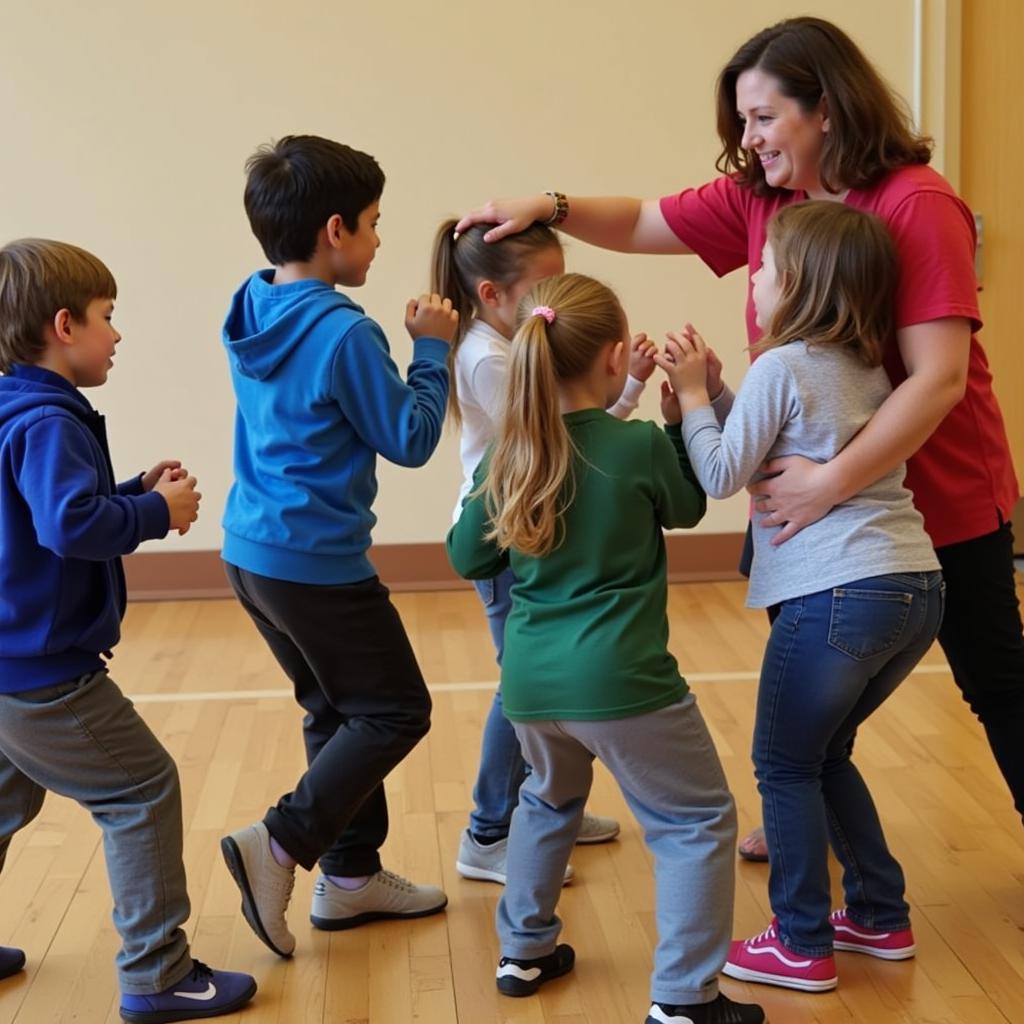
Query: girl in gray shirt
[{"x": 858, "y": 594}]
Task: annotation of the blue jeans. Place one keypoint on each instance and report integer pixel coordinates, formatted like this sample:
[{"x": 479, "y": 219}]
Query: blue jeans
[
  {"x": 832, "y": 658},
  {"x": 502, "y": 768}
]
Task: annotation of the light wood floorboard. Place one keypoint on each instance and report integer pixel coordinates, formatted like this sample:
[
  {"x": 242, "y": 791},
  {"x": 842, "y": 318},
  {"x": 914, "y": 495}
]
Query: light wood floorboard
[{"x": 946, "y": 811}]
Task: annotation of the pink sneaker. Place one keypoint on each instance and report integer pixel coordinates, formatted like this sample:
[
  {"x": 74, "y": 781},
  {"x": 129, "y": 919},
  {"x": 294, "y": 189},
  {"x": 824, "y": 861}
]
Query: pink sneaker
[
  {"x": 764, "y": 959},
  {"x": 855, "y": 938}
]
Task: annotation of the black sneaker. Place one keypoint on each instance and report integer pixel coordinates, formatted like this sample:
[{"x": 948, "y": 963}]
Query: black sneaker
[
  {"x": 11, "y": 961},
  {"x": 524, "y": 977},
  {"x": 719, "y": 1011}
]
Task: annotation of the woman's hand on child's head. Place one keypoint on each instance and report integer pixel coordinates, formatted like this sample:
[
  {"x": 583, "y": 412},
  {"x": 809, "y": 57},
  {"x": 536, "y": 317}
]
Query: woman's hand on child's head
[
  {"x": 151, "y": 478},
  {"x": 510, "y": 215},
  {"x": 431, "y": 316},
  {"x": 182, "y": 499},
  {"x": 671, "y": 411},
  {"x": 641, "y": 357}
]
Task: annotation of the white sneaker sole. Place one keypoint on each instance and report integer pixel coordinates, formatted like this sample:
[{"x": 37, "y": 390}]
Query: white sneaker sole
[
  {"x": 880, "y": 954},
  {"x": 338, "y": 924},
  {"x": 475, "y": 874},
  {"x": 780, "y": 981}
]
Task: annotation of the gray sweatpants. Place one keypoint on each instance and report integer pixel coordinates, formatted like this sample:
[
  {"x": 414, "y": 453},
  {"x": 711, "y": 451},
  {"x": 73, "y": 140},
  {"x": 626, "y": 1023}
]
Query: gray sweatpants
[
  {"x": 668, "y": 770},
  {"x": 85, "y": 740}
]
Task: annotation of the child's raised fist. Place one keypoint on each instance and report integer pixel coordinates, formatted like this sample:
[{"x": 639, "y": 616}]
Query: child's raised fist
[{"x": 431, "y": 316}]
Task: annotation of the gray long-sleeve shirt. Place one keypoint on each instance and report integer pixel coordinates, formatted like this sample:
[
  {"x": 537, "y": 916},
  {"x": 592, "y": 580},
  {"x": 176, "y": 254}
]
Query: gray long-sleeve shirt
[{"x": 810, "y": 401}]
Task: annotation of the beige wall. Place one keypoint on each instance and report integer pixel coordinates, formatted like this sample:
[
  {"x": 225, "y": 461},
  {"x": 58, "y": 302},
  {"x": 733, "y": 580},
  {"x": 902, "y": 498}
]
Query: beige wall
[{"x": 126, "y": 125}]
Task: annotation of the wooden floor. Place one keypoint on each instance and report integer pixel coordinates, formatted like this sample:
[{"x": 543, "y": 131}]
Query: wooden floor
[{"x": 209, "y": 689}]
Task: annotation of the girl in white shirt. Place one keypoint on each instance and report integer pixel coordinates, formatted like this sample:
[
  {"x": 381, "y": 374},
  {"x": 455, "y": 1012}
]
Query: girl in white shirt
[{"x": 485, "y": 282}]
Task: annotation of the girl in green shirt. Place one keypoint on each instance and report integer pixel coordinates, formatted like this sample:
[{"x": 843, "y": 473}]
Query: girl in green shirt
[{"x": 575, "y": 501}]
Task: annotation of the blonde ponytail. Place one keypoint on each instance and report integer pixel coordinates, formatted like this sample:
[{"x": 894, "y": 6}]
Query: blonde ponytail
[{"x": 530, "y": 481}]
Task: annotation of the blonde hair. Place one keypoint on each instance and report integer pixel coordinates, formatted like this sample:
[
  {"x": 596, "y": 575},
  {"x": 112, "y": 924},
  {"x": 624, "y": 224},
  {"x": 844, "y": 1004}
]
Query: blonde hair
[
  {"x": 529, "y": 483},
  {"x": 458, "y": 265},
  {"x": 38, "y": 278},
  {"x": 837, "y": 272}
]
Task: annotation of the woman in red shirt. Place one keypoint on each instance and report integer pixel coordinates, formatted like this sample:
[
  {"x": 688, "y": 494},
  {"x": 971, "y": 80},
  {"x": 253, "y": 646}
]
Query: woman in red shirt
[{"x": 803, "y": 114}]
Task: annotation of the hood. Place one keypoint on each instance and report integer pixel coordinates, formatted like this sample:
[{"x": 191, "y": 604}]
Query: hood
[
  {"x": 28, "y": 387},
  {"x": 266, "y": 322}
]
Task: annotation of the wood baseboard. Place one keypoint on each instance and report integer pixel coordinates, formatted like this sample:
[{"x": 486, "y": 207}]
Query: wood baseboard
[{"x": 180, "y": 575}]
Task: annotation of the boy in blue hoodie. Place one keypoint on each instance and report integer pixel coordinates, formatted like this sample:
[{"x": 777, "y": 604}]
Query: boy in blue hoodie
[
  {"x": 318, "y": 398},
  {"x": 64, "y": 525}
]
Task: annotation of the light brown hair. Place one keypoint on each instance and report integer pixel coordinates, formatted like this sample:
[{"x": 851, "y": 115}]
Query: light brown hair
[
  {"x": 529, "y": 483},
  {"x": 837, "y": 269},
  {"x": 870, "y": 132},
  {"x": 38, "y": 278},
  {"x": 458, "y": 266}
]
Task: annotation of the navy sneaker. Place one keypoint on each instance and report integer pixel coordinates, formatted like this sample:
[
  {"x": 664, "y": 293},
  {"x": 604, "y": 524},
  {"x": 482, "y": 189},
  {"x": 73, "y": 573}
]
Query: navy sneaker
[
  {"x": 524, "y": 977},
  {"x": 11, "y": 961},
  {"x": 203, "y": 993},
  {"x": 719, "y": 1011}
]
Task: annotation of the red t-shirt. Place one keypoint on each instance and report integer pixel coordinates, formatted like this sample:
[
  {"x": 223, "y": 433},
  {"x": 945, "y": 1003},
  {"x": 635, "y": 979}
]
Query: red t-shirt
[{"x": 962, "y": 477}]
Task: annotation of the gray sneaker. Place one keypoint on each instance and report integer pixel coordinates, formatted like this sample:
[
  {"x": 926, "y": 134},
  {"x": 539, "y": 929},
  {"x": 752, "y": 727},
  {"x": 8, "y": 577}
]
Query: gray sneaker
[
  {"x": 384, "y": 895},
  {"x": 487, "y": 863},
  {"x": 266, "y": 887},
  {"x": 595, "y": 829}
]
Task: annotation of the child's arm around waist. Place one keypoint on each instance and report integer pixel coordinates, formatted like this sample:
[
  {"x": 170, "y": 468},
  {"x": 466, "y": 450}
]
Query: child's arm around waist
[
  {"x": 59, "y": 480},
  {"x": 402, "y": 420},
  {"x": 472, "y": 557}
]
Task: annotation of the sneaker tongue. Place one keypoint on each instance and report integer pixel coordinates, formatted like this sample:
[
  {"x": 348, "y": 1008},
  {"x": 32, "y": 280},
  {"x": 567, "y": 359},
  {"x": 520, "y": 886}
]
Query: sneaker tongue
[{"x": 200, "y": 971}]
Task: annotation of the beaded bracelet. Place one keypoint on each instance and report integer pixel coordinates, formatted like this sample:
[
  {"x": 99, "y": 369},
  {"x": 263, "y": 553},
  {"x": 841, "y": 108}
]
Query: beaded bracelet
[{"x": 561, "y": 210}]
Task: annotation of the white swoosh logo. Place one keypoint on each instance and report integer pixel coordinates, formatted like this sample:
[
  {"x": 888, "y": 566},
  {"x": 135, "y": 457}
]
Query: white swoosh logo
[
  {"x": 202, "y": 997},
  {"x": 848, "y": 930},
  {"x": 658, "y": 1014},
  {"x": 515, "y": 971},
  {"x": 772, "y": 951}
]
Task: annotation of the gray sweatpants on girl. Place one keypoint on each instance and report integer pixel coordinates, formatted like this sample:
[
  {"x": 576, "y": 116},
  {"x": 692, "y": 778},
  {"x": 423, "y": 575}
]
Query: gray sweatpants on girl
[{"x": 668, "y": 770}]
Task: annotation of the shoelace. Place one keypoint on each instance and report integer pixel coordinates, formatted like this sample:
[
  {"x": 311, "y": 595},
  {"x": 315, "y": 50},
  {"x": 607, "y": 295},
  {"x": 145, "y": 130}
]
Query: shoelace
[
  {"x": 396, "y": 881},
  {"x": 768, "y": 933},
  {"x": 200, "y": 972}
]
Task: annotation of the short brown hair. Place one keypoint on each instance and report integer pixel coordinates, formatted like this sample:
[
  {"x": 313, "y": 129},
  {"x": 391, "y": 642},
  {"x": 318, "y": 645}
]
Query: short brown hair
[
  {"x": 38, "y": 278},
  {"x": 837, "y": 271},
  {"x": 295, "y": 185},
  {"x": 811, "y": 59}
]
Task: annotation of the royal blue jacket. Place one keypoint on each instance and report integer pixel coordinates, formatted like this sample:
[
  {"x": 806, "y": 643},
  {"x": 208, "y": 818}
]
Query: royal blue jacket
[
  {"x": 64, "y": 524},
  {"x": 318, "y": 398}
]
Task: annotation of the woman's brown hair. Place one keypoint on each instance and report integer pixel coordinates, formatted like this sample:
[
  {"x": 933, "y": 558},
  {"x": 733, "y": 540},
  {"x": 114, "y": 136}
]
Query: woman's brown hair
[
  {"x": 836, "y": 269},
  {"x": 870, "y": 132}
]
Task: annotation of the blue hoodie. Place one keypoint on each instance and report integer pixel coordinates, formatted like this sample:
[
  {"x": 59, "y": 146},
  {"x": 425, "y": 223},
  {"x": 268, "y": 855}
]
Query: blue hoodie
[
  {"x": 64, "y": 524},
  {"x": 318, "y": 397}
]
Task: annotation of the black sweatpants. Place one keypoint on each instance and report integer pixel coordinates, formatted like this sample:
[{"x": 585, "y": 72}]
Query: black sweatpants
[{"x": 355, "y": 675}]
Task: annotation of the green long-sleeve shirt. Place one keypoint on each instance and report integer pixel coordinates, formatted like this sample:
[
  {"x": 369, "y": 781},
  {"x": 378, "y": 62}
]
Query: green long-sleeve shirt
[{"x": 587, "y": 636}]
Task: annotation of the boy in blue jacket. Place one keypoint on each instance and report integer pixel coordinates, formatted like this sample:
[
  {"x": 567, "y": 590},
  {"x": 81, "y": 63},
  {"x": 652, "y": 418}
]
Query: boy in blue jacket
[
  {"x": 64, "y": 525},
  {"x": 318, "y": 398}
]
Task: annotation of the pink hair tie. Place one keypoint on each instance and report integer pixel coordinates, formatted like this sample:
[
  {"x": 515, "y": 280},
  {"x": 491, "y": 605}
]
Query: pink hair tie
[{"x": 545, "y": 311}]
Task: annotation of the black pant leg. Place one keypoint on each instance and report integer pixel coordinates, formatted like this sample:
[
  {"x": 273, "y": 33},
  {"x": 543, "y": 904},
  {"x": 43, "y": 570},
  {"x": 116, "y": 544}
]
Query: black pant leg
[
  {"x": 355, "y": 674},
  {"x": 983, "y": 639}
]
